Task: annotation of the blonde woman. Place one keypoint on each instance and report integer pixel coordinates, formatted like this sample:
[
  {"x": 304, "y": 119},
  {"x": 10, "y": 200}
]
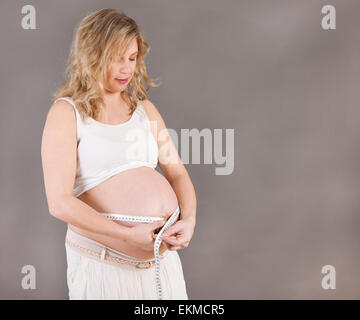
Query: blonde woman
[{"x": 101, "y": 142}]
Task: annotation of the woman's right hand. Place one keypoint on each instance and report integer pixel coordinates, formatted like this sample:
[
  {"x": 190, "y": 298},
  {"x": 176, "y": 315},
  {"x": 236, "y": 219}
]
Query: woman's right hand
[{"x": 142, "y": 234}]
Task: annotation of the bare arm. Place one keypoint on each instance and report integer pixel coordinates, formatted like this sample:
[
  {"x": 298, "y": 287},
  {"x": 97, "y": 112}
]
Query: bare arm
[{"x": 59, "y": 154}]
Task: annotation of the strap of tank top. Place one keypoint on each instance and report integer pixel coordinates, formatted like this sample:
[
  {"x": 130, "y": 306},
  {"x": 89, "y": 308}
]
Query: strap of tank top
[
  {"x": 149, "y": 125},
  {"x": 79, "y": 123}
]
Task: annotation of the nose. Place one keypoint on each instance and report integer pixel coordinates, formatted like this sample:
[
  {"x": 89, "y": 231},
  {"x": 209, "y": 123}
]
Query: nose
[{"x": 125, "y": 68}]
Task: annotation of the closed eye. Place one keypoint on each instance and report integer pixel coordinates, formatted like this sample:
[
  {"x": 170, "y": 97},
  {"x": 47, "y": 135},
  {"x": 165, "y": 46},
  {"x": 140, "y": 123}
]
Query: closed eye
[{"x": 119, "y": 59}]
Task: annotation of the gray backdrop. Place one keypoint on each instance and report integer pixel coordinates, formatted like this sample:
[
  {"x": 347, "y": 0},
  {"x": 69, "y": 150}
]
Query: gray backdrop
[{"x": 266, "y": 69}]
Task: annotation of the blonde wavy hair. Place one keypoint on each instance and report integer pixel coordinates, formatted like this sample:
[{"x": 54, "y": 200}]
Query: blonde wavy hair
[{"x": 100, "y": 39}]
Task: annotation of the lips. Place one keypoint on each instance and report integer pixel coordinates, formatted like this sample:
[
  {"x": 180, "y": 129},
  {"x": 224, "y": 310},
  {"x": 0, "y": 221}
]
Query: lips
[{"x": 121, "y": 81}]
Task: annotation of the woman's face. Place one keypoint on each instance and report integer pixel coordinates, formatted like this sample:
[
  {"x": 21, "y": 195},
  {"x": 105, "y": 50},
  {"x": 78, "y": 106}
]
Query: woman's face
[{"x": 124, "y": 68}]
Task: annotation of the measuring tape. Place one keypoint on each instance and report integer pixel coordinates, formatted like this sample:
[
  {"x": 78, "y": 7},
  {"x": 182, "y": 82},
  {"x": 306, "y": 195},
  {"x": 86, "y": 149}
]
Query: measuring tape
[{"x": 158, "y": 240}]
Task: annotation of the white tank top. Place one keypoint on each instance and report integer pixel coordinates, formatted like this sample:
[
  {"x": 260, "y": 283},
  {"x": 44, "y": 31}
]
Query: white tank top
[{"x": 104, "y": 150}]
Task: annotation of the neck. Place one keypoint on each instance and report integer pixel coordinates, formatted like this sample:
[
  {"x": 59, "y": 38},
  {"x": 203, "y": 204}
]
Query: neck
[{"x": 113, "y": 100}]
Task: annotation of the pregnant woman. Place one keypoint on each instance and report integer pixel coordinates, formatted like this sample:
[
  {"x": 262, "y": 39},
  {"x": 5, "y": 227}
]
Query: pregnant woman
[{"x": 101, "y": 143}]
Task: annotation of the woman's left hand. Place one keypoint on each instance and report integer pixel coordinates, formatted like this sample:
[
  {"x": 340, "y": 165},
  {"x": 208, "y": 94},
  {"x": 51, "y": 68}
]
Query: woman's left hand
[{"x": 179, "y": 234}]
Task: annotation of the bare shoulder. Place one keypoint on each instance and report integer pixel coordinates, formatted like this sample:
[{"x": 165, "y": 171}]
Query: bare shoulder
[
  {"x": 60, "y": 120},
  {"x": 151, "y": 111},
  {"x": 148, "y": 106},
  {"x": 61, "y": 109}
]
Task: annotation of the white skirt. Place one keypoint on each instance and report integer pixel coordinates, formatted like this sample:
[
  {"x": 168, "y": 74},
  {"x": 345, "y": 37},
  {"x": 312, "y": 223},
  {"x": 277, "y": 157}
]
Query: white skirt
[{"x": 89, "y": 277}]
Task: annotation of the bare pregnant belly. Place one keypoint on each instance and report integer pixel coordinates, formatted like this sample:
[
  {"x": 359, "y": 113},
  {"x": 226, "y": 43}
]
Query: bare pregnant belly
[{"x": 139, "y": 191}]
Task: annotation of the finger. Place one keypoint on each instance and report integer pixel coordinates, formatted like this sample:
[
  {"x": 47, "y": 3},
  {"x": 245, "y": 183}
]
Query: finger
[
  {"x": 172, "y": 230},
  {"x": 179, "y": 237},
  {"x": 174, "y": 248},
  {"x": 181, "y": 244},
  {"x": 172, "y": 241}
]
